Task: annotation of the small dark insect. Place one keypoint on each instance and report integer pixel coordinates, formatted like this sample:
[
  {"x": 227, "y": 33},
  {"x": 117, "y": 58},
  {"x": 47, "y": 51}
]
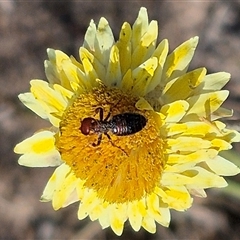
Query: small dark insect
[{"x": 120, "y": 125}]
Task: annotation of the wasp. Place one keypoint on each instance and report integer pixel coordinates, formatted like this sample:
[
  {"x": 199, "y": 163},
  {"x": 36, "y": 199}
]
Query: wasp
[{"x": 120, "y": 125}]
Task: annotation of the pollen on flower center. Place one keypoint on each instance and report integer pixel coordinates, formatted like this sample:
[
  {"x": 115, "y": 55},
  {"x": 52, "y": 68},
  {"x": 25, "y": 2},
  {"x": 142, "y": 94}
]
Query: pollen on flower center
[{"x": 119, "y": 169}]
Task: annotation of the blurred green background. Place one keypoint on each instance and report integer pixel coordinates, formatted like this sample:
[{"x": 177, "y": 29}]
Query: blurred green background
[{"x": 27, "y": 29}]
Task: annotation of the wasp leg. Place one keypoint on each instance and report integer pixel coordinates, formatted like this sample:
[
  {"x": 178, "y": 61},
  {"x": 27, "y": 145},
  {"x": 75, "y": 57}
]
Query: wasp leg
[
  {"x": 114, "y": 144},
  {"x": 110, "y": 110},
  {"x": 108, "y": 137},
  {"x": 98, "y": 141},
  {"x": 100, "y": 110},
  {"x": 107, "y": 117}
]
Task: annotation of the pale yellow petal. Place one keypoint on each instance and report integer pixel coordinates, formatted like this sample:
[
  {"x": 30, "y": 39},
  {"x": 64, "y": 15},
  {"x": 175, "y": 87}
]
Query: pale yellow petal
[
  {"x": 146, "y": 46},
  {"x": 223, "y": 167},
  {"x": 72, "y": 197},
  {"x": 33, "y": 104},
  {"x": 205, "y": 179},
  {"x": 88, "y": 202},
  {"x": 142, "y": 76},
  {"x": 99, "y": 68},
  {"x": 57, "y": 56},
  {"x": 186, "y": 144},
  {"x": 172, "y": 129},
  {"x": 179, "y": 167},
  {"x": 198, "y": 192},
  {"x": 105, "y": 41},
  {"x": 124, "y": 46},
  {"x": 156, "y": 211},
  {"x": 221, "y": 112},
  {"x": 150, "y": 36},
  {"x": 177, "y": 62},
  {"x": 175, "y": 196},
  {"x": 127, "y": 81},
  {"x": 136, "y": 211},
  {"x": 89, "y": 73},
  {"x": 104, "y": 218},
  {"x": 175, "y": 111},
  {"x": 149, "y": 224},
  {"x": 213, "y": 82},
  {"x": 99, "y": 40},
  {"x": 118, "y": 216},
  {"x": 66, "y": 94},
  {"x": 161, "y": 54},
  {"x": 55, "y": 182},
  {"x": 142, "y": 104},
  {"x": 220, "y": 144},
  {"x": 196, "y": 176},
  {"x": 163, "y": 216},
  {"x": 194, "y": 129},
  {"x": 64, "y": 190},
  {"x": 51, "y": 101},
  {"x": 53, "y": 68},
  {"x": 196, "y": 157},
  {"x": 71, "y": 72},
  {"x": 48, "y": 159},
  {"x": 76, "y": 62},
  {"x": 203, "y": 105},
  {"x": 114, "y": 75},
  {"x": 97, "y": 209},
  {"x": 139, "y": 27},
  {"x": 39, "y": 151},
  {"x": 231, "y": 136},
  {"x": 183, "y": 87},
  {"x": 90, "y": 37}
]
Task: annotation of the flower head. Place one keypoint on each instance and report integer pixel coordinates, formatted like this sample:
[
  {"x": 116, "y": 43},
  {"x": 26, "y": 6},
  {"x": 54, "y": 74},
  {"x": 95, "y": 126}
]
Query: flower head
[{"x": 133, "y": 133}]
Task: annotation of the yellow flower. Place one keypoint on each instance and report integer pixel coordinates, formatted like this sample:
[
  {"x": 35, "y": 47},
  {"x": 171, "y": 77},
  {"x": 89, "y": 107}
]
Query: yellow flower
[{"x": 133, "y": 133}]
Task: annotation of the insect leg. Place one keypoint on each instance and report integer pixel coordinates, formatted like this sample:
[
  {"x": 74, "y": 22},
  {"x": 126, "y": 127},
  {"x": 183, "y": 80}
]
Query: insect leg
[
  {"x": 108, "y": 137},
  {"x": 100, "y": 110},
  {"x": 107, "y": 117},
  {"x": 110, "y": 110},
  {"x": 98, "y": 141},
  {"x": 114, "y": 144}
]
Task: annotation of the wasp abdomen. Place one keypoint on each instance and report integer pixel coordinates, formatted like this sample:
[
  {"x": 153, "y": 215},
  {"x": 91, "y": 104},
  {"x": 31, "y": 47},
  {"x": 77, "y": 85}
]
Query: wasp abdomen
[{"x": 127, "y": 123}]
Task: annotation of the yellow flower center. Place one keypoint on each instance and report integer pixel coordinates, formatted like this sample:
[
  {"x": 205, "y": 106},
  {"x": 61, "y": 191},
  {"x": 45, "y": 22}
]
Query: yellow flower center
[{"x": 119, "y": 168}]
